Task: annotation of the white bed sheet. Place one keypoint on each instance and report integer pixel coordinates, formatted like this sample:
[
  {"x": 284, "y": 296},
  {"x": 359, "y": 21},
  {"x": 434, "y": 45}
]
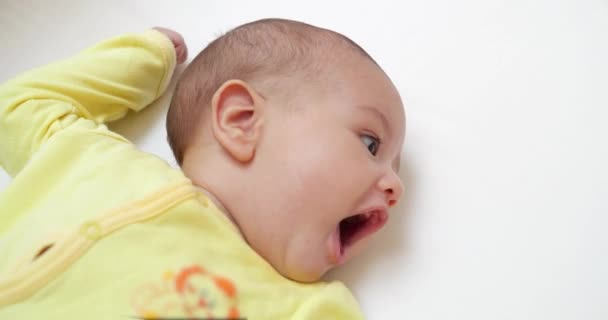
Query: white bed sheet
[{"x": 506, "y": 203}]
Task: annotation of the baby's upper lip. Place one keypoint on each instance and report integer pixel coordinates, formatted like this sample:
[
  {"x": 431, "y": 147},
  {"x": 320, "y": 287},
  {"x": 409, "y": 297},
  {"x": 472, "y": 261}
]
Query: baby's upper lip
[{"x": 380, "y": 210}]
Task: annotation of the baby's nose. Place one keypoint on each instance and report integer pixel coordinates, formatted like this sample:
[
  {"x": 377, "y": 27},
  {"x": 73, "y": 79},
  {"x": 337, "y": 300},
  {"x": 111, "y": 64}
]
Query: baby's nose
[{"x": 392, "y": 187}]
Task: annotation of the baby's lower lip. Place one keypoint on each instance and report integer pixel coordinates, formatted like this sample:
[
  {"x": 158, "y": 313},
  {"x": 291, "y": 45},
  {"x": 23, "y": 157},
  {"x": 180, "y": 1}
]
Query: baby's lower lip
[{"x": 334, "y": 248}]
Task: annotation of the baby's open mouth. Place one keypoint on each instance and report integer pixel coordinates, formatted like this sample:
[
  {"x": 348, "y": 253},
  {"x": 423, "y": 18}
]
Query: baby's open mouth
[{"x": 356, "y": 227}]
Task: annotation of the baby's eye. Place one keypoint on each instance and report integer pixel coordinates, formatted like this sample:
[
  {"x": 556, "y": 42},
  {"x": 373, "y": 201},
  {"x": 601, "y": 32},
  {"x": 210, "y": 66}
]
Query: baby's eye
[{"x": 372, "y": 143}]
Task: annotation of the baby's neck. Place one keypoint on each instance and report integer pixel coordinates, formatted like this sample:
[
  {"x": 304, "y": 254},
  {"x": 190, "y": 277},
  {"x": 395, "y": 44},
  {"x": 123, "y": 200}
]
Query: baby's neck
[{"x": 220, "y": 206}]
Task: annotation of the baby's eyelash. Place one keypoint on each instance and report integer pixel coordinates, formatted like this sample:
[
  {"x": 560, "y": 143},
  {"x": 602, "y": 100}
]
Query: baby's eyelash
[{"x": 372, "y": 143}]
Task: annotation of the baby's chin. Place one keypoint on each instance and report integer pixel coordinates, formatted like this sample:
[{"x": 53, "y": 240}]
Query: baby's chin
[
  {"x": 304, "y": 270},
  {"x": 304, "y": 276},
  {"x": 307, "y": 265}
]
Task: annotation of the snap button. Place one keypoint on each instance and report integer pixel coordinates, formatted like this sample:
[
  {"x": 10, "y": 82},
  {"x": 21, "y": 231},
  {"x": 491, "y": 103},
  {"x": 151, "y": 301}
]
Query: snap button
[{"x": 91, "y": 230}]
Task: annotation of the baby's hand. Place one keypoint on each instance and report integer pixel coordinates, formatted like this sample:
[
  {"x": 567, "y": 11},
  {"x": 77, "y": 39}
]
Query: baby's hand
[{"x": 181, "y": 50}]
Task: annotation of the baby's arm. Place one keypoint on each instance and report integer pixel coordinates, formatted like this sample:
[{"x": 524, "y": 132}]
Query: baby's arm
[{"x": 100, "y": 84}]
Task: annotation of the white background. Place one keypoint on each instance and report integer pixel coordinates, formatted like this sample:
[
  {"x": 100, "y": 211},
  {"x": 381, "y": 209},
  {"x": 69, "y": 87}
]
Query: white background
[{"x": 506, "y": 204}]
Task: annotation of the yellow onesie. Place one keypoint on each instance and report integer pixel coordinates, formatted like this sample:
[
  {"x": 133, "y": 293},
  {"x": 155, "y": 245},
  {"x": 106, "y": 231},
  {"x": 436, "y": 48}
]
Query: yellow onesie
[{"x": 92, "y": 228}]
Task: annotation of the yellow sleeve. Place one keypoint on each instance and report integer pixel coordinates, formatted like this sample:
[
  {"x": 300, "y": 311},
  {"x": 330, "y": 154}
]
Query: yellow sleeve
[
  {"x": 334, "y": 302},
  {"x": 100, "y": 84}
]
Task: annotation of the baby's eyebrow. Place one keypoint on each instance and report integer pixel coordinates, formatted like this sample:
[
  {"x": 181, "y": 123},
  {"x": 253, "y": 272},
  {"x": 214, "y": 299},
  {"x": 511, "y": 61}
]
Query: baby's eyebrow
[{"x": 379, "y": 115}]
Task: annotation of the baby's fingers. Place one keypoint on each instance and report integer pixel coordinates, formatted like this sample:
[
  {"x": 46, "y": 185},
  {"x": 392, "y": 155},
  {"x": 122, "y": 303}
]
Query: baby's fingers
[{"x": 181, "y": 50}]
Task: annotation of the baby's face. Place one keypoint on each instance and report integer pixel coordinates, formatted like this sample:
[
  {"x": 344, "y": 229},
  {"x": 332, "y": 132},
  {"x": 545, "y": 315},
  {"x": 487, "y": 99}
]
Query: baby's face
[{"x": 326, "y": 171}]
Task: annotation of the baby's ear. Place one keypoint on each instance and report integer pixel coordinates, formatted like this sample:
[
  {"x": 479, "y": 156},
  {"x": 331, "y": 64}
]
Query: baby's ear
[{"x": 237, "y": 119}]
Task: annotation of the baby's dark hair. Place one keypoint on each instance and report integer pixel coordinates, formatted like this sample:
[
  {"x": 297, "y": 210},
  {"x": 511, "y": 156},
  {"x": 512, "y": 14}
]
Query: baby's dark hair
[{"x": 251, "y": 52}]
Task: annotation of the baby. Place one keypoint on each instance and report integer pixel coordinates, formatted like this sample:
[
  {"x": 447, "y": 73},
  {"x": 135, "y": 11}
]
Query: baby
[{"x": 288, "y": 137}]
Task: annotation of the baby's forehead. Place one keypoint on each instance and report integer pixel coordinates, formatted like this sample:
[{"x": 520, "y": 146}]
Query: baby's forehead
[
  {"x": 366, "y": 88},
  {"x": 361, "y": 81},
  {"x": 360, "y": 92}
]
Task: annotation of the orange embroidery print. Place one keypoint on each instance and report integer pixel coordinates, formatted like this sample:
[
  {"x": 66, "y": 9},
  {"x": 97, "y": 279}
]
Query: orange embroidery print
[{"x": 191, "y": 292}]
